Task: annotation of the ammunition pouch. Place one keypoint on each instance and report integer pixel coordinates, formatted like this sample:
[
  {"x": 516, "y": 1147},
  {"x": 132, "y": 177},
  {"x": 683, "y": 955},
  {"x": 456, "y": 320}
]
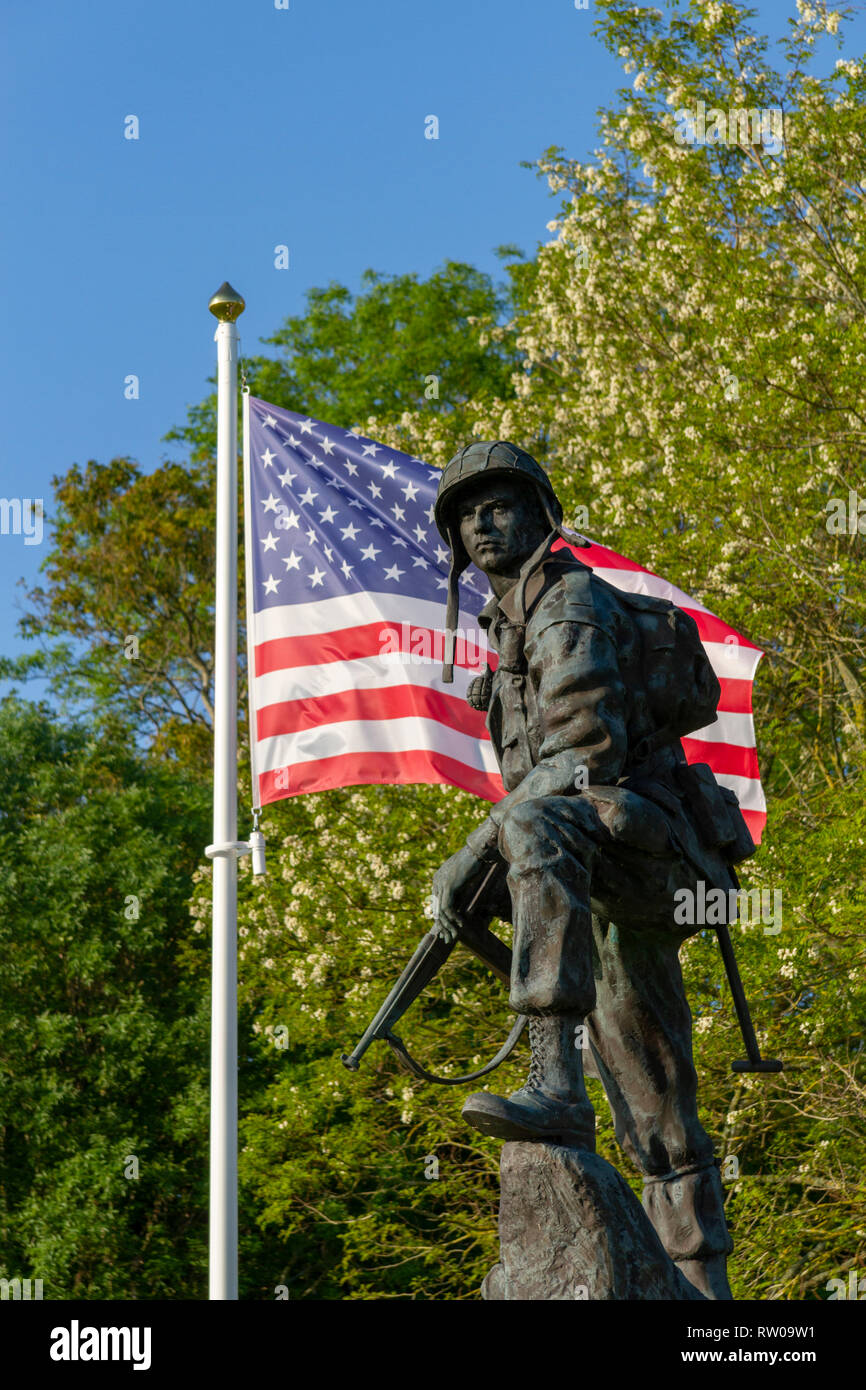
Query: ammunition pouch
[{"x": 716, "y": 812}]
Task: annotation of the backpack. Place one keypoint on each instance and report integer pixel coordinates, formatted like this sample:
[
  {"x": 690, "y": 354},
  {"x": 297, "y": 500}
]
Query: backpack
[
  {"x": 681, "y": 685},
  {"x": 682, "y": 688}
]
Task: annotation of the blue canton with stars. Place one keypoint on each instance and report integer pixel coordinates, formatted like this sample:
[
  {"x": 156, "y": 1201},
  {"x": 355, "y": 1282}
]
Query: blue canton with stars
[{"x": 334, "y": 513}]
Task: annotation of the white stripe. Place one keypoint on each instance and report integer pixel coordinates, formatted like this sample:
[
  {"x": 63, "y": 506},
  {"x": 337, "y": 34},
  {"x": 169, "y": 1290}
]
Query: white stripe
[
  {"x": 738, "y": 730},
  {"x": 747, "y": 790},
  {"x": 356, "y": 610},
  {"x": 641, "y": 582},
  {"x": 376, "y": 736},
  {"x": 364, "y": 673},
  {"x": 731, "y": 661}
]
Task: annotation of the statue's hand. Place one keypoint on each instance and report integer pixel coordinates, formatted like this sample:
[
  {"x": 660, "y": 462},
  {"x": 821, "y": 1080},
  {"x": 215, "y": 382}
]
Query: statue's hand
[{"x": 453, "y": 886}]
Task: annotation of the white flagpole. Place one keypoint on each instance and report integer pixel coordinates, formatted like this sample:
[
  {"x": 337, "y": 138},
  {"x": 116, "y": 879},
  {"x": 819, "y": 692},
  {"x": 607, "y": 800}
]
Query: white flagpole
[{"x": 227, "y": 305}]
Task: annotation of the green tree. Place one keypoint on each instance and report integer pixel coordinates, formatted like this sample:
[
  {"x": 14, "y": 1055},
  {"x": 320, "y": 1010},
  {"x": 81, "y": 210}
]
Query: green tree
[
  {"x": 103, "y": 1017},
  {"x": 125, "y": 618}
]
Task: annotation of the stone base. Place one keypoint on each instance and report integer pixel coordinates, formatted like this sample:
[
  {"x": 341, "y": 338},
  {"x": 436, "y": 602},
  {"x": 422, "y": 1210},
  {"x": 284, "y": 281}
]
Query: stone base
[{"x": 571, "y": 1227}]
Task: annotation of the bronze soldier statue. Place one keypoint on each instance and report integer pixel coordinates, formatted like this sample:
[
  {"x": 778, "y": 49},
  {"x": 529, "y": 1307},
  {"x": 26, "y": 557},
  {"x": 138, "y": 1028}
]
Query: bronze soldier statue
[{"x": 602, "y": 823}]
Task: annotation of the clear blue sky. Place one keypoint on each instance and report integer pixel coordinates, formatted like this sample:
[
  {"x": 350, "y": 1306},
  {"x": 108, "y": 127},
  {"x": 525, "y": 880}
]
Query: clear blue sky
[{"x": 258, "y": 126}]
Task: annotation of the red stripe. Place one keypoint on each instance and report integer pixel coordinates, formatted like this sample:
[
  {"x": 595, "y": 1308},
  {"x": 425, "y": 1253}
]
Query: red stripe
[
  {"x": 387, "y": 702},
  {"x": 755, "y": 820},
  {"x": 723, "y": 757},
  {"x": 596, "y": 555},
  {"x": 364, "y": 769},
  {"x": 736, "y": 696},
  {"x": 369, "y": 639},
  {"x": 712, "y": 629}
]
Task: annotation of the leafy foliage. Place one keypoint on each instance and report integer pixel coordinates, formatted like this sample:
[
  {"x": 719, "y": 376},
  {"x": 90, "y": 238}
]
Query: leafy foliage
[{"x": 103, "y": 1032}]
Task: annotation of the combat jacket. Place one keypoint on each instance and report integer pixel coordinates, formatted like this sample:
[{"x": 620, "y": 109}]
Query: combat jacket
[{"x": 570, "y": 692}]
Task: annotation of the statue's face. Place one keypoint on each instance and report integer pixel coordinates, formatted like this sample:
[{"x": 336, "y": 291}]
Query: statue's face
[{"x": 500, "y": 525}]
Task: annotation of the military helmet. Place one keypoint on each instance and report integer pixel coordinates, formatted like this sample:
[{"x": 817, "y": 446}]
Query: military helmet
[{"x": 490, "y": 460}]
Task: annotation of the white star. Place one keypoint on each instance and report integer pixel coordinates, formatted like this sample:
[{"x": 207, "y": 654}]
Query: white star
[
  {"x": 371, "y": 552},
  {"x": 404, "y": 544},
  {"x": 329, "y": 554},
  {"x": 420, "y": 534},
  {"x": 269, "y": 420},
  {"x": 292, "y": 562},
  {"x": 374, "y": 490},
  {"x": 288, "y": 521},
  {"x": 268, "y": 458},
  {"x": 419, "y": 560},
  {"x": 392, "y": 572},
  {"x": 270, "y": 541},
  {"x": 399, "y": 514},
  {"x": 270, "y": 505},
  {"x": 318, "y": 576},
  {"x": 432, "y": 472},
  {"x": 328, "y": 514},
  {"x": 352, "y": 467},
  {"x": 306, "y": 426},
  {"x": 442, "y": 583},
  {"x": 350, "y": 434},
  {"x": 293, "y": 441},
  {"x": 410, "y": 492},
  {"x": 287, "y": 478},
  {"x": 311, "y": 535},
  {"x": 389, "y": 470},
  {"x": 429, "y": 514},
  {"x": 308, "y": 497},
  {"x": 347, "y": 569},
  {"x": 356, "y": 502},
  {"x": 441, "y": 555},
  {"x": 370, "y": 451},
  {"x": 271, "y": 584},
  {"x": 327, "y": 445},
  {"x": 349, "y": 532},
  {"x": 315, "y": 463},
  {"x": 377, "y": 522}
]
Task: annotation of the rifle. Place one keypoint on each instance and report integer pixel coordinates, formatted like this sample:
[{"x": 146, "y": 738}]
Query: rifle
[{"x": 430, "y": 956}]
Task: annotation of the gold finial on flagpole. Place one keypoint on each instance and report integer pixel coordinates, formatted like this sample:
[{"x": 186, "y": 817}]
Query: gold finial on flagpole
[{"x": 227, "y": 305}]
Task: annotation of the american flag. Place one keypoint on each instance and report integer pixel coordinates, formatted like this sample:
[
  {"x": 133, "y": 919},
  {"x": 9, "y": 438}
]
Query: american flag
[{"x": 346, "y": 588}]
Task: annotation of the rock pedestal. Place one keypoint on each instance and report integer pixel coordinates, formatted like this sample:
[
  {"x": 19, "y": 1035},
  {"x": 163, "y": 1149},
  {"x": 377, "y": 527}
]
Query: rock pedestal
[{"x": 570, "y": 1227}]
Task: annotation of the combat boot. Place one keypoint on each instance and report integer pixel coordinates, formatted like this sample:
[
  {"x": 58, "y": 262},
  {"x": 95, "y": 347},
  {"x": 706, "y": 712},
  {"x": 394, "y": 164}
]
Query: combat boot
[
  {"x": 687, "y": 1208},
  {"x": 553, "y": 1105}
]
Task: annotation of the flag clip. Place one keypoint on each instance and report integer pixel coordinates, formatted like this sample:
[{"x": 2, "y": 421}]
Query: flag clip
[{"x": 255, "y": 846}]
